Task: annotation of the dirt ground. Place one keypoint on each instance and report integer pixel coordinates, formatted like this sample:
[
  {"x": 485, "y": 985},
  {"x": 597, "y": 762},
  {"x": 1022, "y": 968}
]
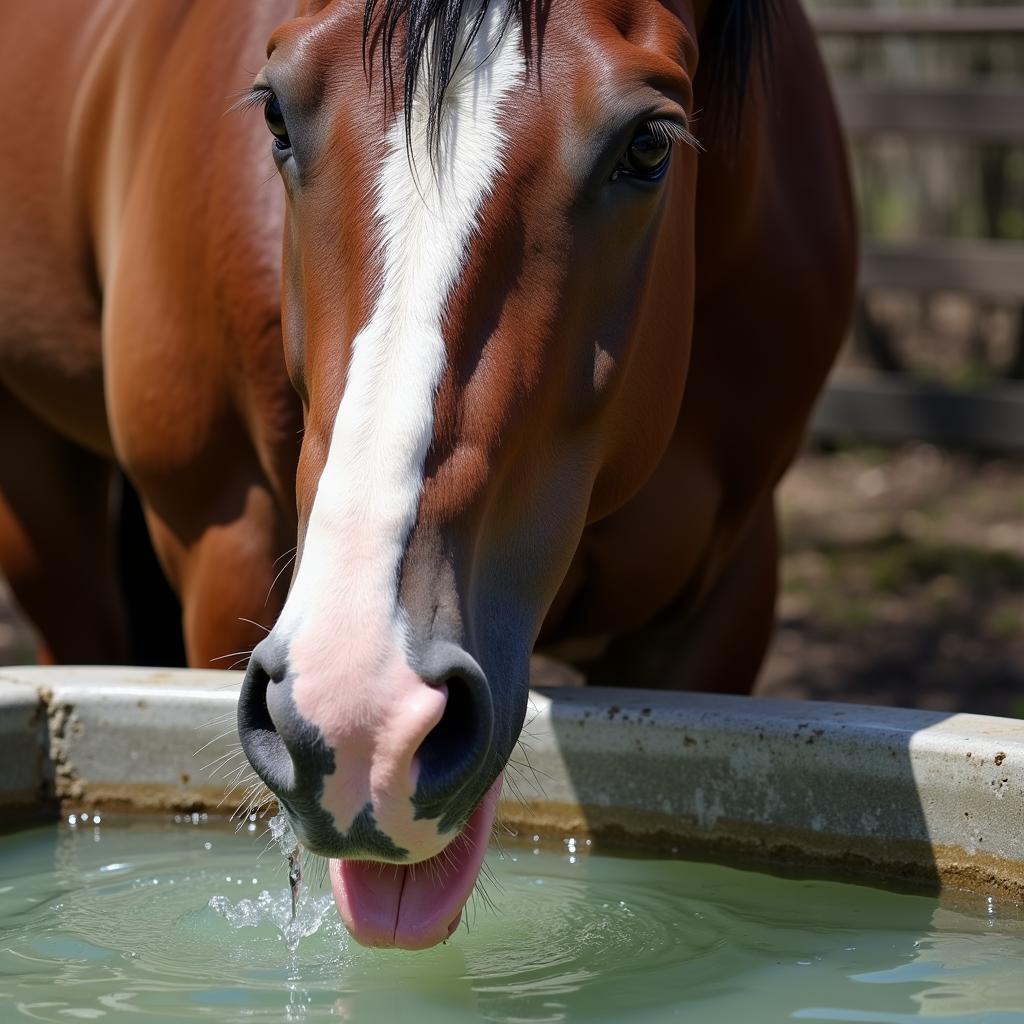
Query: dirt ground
[{"x": 902, "y": 582}]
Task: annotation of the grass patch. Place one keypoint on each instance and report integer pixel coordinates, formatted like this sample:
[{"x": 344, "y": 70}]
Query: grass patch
[
  {"x": 894, "y": 562},
  {"x": 1005, "y": 623}
]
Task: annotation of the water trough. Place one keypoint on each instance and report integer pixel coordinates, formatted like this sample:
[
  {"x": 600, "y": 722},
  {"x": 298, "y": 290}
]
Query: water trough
[{"x": 894, "y": 795}]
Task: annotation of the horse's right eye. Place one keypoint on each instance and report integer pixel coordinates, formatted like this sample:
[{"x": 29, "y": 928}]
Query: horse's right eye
[{"x": 275, "y": 122}]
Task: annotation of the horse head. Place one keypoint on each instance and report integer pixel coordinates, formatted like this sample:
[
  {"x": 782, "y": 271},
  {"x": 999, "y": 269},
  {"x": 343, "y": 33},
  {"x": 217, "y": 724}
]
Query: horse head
[{"x": 487, "y": 299}]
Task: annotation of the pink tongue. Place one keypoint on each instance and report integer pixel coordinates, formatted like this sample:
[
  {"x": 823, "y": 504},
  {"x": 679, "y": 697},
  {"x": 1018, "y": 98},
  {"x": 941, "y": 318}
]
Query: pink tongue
[{"x": 414, "y": 906}]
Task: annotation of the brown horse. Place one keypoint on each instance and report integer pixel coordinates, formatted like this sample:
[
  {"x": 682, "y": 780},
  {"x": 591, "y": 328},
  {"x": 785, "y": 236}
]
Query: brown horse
[{"x": 534, "y": 365}]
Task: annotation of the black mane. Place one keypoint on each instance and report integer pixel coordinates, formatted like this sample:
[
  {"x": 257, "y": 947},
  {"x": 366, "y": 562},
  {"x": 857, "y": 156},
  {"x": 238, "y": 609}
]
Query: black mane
[{"x": 735, "y": 34}]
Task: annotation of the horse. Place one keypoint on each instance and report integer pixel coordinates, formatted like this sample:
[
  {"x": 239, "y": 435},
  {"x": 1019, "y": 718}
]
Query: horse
[{"x": 504, "y": 316}]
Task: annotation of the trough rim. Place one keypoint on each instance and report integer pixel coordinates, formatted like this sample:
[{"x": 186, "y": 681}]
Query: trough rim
[{"x": 885, "y": 794}]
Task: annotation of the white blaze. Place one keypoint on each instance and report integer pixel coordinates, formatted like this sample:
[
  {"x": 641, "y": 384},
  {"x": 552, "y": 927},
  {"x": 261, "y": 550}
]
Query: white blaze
[{"x": 344, "y": 600}]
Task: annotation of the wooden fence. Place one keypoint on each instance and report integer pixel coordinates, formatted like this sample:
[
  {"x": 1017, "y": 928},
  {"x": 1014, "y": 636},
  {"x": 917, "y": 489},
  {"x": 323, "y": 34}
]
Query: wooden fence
[{"x": 892, "y": 406}]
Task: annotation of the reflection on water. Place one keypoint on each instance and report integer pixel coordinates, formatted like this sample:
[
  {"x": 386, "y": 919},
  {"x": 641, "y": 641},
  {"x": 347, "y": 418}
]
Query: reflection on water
[
  {"x": 956, "y": 975},
  {"x": 99, "y": 921}
]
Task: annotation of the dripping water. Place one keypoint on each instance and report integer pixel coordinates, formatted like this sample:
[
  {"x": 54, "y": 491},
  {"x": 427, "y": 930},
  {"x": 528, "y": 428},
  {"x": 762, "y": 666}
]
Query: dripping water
[
  {"x": 284, "y": 836},
  {"x": 297, "y": 913}
]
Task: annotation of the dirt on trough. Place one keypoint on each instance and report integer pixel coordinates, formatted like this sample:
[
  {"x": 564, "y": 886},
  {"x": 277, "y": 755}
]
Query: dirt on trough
[{"x": 902, "y": 582}]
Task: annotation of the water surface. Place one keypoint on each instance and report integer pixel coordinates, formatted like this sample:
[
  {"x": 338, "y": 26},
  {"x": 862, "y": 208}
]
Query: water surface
[{"x": 113, "y": 921}]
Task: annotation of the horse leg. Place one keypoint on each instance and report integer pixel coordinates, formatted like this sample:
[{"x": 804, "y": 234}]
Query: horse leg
[
  {"x": 231, "y": 572},
  {"x": 719, "y": 646},
  {"x": 58, "y": 540}
]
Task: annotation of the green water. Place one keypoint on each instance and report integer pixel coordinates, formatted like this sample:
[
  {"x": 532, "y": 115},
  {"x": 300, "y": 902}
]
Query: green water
[{"x": 113, "y": 922}]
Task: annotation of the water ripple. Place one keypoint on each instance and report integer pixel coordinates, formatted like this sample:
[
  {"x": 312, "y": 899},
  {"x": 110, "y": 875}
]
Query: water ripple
[{"x": 186, "y": 922}]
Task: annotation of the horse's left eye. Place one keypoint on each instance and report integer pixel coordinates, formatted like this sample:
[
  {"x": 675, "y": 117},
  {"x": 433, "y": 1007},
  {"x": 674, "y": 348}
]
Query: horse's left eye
[
  {"x": 275, "y": 122},
  {"x": 647, "y": 156}
]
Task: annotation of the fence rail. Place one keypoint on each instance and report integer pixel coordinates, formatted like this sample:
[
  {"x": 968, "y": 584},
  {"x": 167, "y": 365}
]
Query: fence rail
[
  {"x": 981, "y": 266},
  {"x": 889, "y": 408},
  {"x": 977, "y": 113},
  {"x": 950, "y": 22}
]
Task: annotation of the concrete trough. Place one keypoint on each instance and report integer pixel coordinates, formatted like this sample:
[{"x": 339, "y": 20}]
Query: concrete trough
[{"x": 891, "y": 794}]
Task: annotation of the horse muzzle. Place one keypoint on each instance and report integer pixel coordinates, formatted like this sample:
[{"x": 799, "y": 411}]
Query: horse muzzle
[{"x": 394, "y": 767}]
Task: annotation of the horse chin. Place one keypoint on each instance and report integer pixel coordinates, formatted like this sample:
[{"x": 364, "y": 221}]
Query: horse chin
[{"x": 415, "y": 906}]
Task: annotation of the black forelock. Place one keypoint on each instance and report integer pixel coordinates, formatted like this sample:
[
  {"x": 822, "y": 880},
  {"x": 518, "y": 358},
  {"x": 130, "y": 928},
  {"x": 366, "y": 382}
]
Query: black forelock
[
  {"x": 735, "y": 34},
  {"x": 432, "y": 32}
]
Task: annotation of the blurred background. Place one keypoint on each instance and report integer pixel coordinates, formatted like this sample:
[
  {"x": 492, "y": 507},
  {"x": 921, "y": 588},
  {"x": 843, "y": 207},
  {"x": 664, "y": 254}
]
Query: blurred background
[
  {"x": 903, "y": 521},
  {"x": 903, "y": 578}
]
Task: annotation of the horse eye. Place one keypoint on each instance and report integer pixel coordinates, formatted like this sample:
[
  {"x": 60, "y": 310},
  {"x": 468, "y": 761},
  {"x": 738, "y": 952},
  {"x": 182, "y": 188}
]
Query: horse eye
[
  {"x": 275, "y": 122},
  {"x": 647, "y": 156}
]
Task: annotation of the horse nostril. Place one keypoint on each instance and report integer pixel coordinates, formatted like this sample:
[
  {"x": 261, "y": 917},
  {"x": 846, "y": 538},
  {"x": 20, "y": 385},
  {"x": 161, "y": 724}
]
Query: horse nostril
[
  {"x": 263, "y": 744},
  {"x": 458, "y": 747},
  {"x": 441, "y": 754}
]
